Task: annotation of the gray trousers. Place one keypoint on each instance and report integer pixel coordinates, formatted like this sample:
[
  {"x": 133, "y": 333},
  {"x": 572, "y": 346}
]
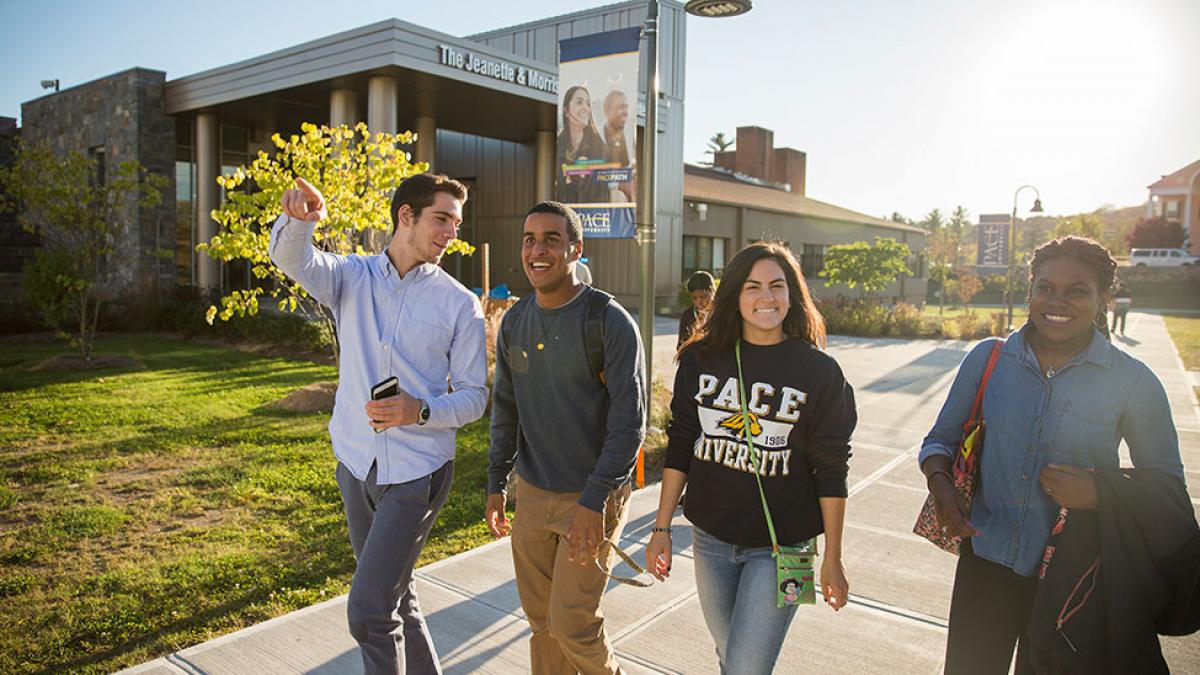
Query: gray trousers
[{"x": 388, "y": 528}]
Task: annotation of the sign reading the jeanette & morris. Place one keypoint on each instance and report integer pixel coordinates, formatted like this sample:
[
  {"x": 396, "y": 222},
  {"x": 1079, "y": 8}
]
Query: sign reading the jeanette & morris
[{"x": 496, "y": 69}]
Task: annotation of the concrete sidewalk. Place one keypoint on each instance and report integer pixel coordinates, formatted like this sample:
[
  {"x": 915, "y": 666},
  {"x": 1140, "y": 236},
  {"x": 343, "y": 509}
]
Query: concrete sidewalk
[{"x": 900, "y": 584}]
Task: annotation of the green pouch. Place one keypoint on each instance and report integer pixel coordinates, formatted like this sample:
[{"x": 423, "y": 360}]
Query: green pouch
[
  {"x": 794, "y": 574},
  {"x": 794, "y": 580}
]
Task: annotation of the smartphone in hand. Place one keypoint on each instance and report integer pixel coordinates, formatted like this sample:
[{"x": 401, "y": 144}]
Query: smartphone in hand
[{"x": 387, "y": 388}]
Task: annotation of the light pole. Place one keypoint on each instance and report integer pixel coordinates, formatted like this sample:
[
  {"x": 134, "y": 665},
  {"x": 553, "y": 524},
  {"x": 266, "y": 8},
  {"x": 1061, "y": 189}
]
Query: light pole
[
  {"x": 646, "y": 214},
  {"x": 1012, "y": 246},
  {"x": 647, "y": 194}
]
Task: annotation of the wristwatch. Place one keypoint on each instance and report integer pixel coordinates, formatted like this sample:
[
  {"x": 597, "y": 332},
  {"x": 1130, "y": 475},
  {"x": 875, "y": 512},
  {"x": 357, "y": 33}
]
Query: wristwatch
[{"x": 423, "y": 416}]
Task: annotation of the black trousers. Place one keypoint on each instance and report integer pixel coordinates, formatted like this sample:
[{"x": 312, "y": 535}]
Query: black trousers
[
  {"x": 989, "y": 610},
  {"x": 1119, "y": 315}
]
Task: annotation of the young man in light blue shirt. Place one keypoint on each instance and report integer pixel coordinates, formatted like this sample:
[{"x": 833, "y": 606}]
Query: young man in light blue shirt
[{"x": 398, "y": 315}]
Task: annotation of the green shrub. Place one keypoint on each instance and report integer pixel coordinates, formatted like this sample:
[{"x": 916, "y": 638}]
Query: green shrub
[
  {"x": 907, "y": 320},
  {"x": 967, "y": 325},
  {"x": 999, "y": 324},
  {"x": 854, "y": 317},
  {"x": 43, "y": 286}
]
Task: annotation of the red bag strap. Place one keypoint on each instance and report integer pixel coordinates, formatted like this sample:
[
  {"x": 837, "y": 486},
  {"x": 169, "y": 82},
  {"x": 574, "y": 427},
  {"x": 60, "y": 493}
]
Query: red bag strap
[{"x": 987, "y": 374}]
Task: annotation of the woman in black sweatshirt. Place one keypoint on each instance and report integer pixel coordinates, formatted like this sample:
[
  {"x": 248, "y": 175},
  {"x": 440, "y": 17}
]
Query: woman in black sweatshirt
[{"x": 800, "y": 415}]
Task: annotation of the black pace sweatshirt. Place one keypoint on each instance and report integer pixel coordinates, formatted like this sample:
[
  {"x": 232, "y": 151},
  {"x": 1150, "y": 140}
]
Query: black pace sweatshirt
[{"x": 801, "y": 414}]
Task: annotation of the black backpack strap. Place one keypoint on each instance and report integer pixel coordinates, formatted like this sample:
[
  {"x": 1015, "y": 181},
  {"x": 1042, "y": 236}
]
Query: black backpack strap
[{"x": 593, "y": 331}]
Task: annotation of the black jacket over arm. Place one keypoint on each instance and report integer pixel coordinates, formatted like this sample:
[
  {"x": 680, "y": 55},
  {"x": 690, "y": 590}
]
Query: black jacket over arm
[{"x": 1118, "y": 577}]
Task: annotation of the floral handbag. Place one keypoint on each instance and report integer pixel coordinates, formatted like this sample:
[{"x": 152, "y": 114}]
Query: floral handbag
[{"x": 965, "y": 470}]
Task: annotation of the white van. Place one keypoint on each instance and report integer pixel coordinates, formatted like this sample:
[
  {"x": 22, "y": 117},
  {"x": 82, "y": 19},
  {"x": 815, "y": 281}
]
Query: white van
[{"x": 1161, "y": 257}]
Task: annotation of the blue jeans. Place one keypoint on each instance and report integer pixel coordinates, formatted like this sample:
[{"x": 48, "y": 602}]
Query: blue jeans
[{"x": 737, "y": 596}]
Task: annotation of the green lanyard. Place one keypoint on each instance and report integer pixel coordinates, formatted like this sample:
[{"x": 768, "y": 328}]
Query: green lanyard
[{"x": 748, "y": 433}]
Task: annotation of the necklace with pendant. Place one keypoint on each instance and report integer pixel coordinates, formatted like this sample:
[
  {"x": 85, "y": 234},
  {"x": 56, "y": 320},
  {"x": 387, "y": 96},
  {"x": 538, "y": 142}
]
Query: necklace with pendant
[
  {"x": 541, "y": 319},
  {"x": 1051, "y": 371},
  {"x": 545, "y": 332}
]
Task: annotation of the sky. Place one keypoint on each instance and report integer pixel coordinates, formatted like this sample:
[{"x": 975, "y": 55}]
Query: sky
[{"x": 901, "y": 105}]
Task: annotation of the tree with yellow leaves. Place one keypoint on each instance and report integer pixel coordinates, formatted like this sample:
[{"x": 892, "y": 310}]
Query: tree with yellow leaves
[{"x": 355, "y": 169}]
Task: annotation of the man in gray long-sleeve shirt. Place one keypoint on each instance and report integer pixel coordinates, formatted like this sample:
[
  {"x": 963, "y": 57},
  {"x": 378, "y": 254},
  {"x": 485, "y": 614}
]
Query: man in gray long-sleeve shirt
[{"x": 573, "y": 435}]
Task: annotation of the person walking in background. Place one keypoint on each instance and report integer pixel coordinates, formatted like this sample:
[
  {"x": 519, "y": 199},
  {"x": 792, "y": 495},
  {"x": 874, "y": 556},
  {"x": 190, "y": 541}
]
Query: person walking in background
[
  {"x": 764, "y": 337},
  {"x": 1059, "y": 402},
  {"x": 399, "y": 316},
  {"x": 573, "y": 434},
  {"x": 583, "y": 273},
  {"x": 1122, "y": 300},
  {"x": 701, "y": 288}
]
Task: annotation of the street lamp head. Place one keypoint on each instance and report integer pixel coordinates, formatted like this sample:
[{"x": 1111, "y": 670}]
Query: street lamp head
[
  {"x": 717, "y": 9},
  {"x": 50, "y": 84},
  {"x": 1037, "y": 206}
]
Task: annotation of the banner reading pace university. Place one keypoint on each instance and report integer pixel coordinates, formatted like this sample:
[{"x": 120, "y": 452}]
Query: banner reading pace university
[{"x": 597, "y": 167}]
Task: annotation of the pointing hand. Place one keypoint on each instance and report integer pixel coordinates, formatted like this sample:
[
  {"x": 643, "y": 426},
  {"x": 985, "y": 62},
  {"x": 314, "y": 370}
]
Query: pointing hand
[{"x": 304, "y": 202}]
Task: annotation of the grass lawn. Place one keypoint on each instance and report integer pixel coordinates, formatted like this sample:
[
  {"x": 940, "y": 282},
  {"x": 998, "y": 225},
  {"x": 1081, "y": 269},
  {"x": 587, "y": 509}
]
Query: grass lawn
[
  {"x": 1185, "y": 333},
  {"x": 1020, "y": 314},
  {"x": 143, "y": 510}
]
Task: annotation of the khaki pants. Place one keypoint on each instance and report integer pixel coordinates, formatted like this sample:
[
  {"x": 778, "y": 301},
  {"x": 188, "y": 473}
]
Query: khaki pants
[{"x": 561, "y": 598}]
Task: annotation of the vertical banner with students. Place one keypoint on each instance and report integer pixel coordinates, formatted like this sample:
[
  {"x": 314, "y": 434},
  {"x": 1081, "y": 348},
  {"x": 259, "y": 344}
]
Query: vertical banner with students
[{"x": 598, "y": 80}]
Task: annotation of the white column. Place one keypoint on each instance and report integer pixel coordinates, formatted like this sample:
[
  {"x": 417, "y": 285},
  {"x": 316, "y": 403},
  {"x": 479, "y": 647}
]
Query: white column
[
  {"x": 343, "y": 107},
  {"x": 425, "y": 149},
  {"x": 382, "y": 104},
  {"x": 208, "y": 167},
  {"x": 544, "y": 166}
]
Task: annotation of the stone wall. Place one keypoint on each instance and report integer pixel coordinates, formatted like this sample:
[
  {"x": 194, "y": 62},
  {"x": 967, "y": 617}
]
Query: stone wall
[
  {"x": 16, "y": 245},
  {"x": 122, "y": 113},
  {"x": 1163, "y": 287}
]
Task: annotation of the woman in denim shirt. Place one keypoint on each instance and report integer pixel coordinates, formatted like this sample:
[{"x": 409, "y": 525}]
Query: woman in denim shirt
[{"x": 1060, "y": 401}]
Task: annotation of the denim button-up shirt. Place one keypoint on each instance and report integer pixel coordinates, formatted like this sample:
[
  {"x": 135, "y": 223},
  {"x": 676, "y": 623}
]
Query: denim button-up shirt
[
  {"x": 1077, "y": 416},
  {"x": 425, "y": 328}
]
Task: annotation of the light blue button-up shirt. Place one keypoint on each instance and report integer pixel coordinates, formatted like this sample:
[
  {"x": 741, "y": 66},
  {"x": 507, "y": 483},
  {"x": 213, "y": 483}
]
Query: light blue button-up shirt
[
  {"x": 1076, "y": 417},
  {"x": 425, "y": 328}
]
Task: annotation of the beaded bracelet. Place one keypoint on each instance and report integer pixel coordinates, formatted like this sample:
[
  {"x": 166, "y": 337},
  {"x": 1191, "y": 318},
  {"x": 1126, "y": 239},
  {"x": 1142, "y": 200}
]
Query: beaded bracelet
[{"x": 661, "y": 529}]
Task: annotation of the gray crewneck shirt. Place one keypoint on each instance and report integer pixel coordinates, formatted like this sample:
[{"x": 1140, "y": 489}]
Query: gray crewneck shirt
[{"x": 564, "y": 429}]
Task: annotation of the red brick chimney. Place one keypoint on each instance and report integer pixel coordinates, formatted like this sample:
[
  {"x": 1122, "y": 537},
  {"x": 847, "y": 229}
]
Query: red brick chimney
[
  {"x": 790, "y": 167},
  {"x": 726, "y": 159},
  {"x": 755, "y": 147},
  {"x": 755, "y": 155}
]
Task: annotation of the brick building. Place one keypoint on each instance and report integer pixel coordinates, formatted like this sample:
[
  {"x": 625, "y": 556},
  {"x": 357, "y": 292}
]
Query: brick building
[
  {"x": 495, "y": 134},
  {"x": 758, "y": 191},
  {"x": 1176, "y": 197}
]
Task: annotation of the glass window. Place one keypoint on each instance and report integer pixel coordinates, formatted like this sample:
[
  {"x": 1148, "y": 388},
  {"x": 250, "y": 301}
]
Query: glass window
[
  {"x": 183, "y": 131},
  {"x": 704, "y": 253},
  {"x": 1171, "y": 210},
  {"x": 97, "y": 154},
  {"x": 718, "y": 257},
  {"x": 185, "y": 235},
  {"x": 689, "y": 254},
  {"x": 812, "y": 260},
  {"x": 233, "y": 138}
]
